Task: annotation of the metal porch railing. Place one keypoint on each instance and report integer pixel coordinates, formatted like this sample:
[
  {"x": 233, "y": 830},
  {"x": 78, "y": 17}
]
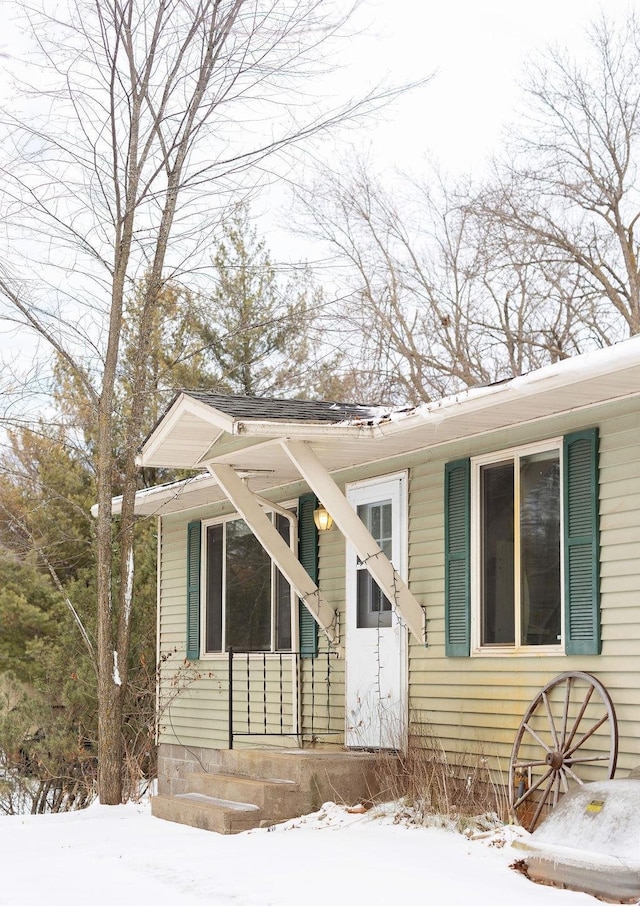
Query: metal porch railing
[{"x": 266, "y": 692}]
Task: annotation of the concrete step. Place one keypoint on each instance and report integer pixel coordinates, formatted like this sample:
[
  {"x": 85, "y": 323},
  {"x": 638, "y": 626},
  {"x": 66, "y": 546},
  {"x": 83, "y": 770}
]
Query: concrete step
[
  {"x": 280, "y": 799},
  {"x": 321, "y": 775},
  {"x": 261, "y": 787},
  {"x": 207, "y": 812}
]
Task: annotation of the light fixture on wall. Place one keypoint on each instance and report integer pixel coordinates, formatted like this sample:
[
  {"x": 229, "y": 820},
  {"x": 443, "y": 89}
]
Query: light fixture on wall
[{"x": 322, "y": 518}]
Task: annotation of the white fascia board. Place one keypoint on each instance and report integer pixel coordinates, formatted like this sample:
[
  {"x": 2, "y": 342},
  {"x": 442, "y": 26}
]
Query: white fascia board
[
  {"x": 302, "y": 430},
  {"x": 561, "y": 375},
  {"x": 185, "y": 404},
  {"x": 150, "y": 500}
]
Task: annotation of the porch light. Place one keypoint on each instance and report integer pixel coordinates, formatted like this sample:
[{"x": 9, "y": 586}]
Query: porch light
[{"x": 322, "y": 519}]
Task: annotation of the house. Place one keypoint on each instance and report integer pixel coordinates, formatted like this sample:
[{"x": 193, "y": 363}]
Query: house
[{"x": 482, "y": 546}]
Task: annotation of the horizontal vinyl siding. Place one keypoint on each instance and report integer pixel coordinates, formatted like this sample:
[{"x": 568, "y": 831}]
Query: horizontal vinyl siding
[
  {"x": 323, "y": 690},
  {"x": 471, "y": 704},
  {"x": 193, "y": 709},
  {"x": 474, "y": 704}
]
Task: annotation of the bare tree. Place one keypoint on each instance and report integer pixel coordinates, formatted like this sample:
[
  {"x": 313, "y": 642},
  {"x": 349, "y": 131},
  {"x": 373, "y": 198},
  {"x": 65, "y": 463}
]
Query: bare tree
[
  {"x": 568, "y": 195},
  {"x": 438, "y": 299},
  {"x": 145, "y": 120},
  {"x": 452, "y": 285}
]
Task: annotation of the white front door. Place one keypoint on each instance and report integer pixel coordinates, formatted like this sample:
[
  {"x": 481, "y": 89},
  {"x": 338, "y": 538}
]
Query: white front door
[{"x": 376, "y": 638}]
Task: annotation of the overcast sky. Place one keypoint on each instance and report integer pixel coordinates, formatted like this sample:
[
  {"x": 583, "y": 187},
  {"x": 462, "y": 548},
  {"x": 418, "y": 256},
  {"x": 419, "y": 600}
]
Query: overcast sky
[{"x": 476, "y": 52}]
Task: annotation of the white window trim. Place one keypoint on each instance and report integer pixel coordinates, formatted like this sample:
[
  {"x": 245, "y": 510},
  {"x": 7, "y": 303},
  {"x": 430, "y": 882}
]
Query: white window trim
[
  {"x": 477, "y": 649},
  {"x": 223, "y": 654}
]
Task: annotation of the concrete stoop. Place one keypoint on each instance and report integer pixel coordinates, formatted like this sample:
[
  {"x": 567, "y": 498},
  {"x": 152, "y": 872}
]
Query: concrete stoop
[{"x": 258, "y": 788}]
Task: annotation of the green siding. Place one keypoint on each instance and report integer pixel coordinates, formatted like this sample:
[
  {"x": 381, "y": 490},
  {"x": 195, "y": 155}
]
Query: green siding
[
  {"x": 457, "y": 532},
  {"x": 473, "y": 706},
  {"x": 308, "y": 555},
  {"x": 581, "y": 543}
]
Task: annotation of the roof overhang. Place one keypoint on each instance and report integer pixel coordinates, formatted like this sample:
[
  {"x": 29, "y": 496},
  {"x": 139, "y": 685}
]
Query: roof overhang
[
  {"x": 184, "y": 434},
  {"x": 191, "y": 434}
]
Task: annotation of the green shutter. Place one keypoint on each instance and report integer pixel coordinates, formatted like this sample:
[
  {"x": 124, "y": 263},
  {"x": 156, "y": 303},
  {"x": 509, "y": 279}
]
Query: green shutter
[
  {"x": 193, "y": 591},
  {"x": 456, "y": 558},
  {"x": 581, "y": 543},
  {"x": 308, "y": 556}
]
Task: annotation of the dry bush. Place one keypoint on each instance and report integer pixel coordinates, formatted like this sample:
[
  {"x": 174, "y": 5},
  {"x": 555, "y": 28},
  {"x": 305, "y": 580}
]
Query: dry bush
[{"x": 429, "y": 782}]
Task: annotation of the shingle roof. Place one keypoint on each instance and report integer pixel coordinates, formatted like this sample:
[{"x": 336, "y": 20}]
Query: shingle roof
[{"x": 263, "y": 409}]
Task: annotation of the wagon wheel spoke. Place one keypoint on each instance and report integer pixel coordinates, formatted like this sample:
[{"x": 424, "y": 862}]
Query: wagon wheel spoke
[
  {"x": 589, "y": 759},
  {"x": 552, "y": 726},
  {"x": 529, "y": 764},
  {"x": 532, "y": 789},
  {"x": 567, "y": 770},
  {"x": 586, "y": 736},
  {"x": 543, "y": 800},
  {"x": 565, "y": 712},
  {"x": 537, "y": 738},
  {"x": 565, "y": 782},
  {"x": 576, "y": 722}
]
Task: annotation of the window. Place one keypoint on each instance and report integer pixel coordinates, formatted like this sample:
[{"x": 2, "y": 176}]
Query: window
[
  {"x": 235, "y": 594},
  {"x": 518, "y": 599},
  {"x": 374, "y": 609},
  {"x": 522, "y": 549},
  {"x": 381, "y": 506},
  {"x": 247, "y": 601}
]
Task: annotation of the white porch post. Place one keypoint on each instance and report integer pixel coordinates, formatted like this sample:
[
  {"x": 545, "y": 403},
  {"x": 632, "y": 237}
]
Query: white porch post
[
  {"x": 354, "y": 530},
  {"x": 272, "y": 541}
]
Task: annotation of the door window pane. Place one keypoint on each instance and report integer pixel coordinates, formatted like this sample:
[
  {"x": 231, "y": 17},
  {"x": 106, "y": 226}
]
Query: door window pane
[{"x": 373, "y": 608}]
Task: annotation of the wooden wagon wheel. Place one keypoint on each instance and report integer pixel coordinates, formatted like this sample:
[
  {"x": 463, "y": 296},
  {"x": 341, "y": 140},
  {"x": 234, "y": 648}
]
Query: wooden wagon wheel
[{"x": 568, "y": 736}]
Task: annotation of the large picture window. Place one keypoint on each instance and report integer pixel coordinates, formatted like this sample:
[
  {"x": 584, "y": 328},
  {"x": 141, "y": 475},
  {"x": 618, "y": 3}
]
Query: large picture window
[
  {"x": 519, "y": 549},
  {"x": 247, "y": 599},
  {"x": 522, "y": 550}
]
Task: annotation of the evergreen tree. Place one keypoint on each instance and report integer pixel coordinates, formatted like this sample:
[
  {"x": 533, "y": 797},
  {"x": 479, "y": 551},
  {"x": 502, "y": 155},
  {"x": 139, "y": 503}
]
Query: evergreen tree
[{"x": 259, "y": 331}]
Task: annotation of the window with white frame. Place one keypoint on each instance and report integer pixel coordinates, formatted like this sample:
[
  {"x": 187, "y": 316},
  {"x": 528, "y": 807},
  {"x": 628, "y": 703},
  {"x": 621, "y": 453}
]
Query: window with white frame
[
  {"x": 522, "y": 549},
  {"x": 247, "y": 600},
  {"x": 517, "y": 526}
]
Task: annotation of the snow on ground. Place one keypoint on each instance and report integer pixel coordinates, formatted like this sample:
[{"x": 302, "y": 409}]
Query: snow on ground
[{"x": 116, "y": 856}]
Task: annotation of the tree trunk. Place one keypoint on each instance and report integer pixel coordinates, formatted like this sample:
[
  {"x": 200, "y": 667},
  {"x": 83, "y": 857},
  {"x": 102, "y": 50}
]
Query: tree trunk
[{"x": 109, "y": 741}]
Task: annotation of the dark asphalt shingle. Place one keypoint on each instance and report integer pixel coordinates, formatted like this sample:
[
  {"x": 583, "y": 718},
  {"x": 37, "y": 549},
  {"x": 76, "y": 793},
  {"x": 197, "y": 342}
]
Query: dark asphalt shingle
[{"x": 264, "y": 409}]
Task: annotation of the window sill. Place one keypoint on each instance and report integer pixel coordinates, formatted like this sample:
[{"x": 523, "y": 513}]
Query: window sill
[
  {"x": 512, "y": 651},
  {"x": 224, "y": 655}
]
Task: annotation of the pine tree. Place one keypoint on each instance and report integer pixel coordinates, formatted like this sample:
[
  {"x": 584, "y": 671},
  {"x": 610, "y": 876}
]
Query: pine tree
[{"x": 258, "y": 329}]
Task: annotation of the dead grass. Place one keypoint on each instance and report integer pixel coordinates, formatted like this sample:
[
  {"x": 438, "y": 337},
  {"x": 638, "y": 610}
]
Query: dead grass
[{"x": 430, "y": 783}]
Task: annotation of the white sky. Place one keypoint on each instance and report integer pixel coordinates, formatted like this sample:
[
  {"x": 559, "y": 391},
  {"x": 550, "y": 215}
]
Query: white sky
[{"x": 476, "y": 51}]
